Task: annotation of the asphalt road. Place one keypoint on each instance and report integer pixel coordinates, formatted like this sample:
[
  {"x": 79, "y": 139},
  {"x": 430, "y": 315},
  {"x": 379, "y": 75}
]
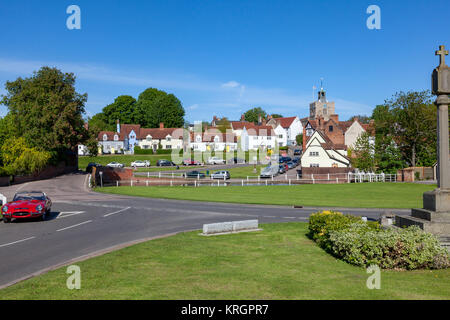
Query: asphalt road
[{"x": 84, "y": 222}]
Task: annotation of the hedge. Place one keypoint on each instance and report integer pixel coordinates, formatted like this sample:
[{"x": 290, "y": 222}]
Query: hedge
[{"x": 365, "y": 243}]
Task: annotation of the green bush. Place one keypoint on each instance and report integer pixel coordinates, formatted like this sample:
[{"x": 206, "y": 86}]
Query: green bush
[
  {"x": 322, "y": 223},
  {"x": 409, "y": 248},
  {"x": 139, "y": 150}
]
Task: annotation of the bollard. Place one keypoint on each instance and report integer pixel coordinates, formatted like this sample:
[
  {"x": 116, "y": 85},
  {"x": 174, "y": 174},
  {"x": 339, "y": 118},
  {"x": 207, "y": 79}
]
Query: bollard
[
  {"x": 148, "y": 174},
  {"x": 195, "y": 183},
  {"x": 171, "y": 183},
  {"x": 131, "y": 182},
  {"x": 218, "y": 183},
  {"x": 242, "y": 182},
  {"x": 289, "y": 181},
  {"x": 117, "y": 183},
  {"x": 266, "y": 182},
  {"x": 159, "y": 174},
  {"x": 146, "y": 183}
]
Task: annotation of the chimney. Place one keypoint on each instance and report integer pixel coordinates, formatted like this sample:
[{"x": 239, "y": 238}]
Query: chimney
[
  {"x": 242, "y": 117},
  {"x": 335, "y": 117},
  {"x": 264, "y": 122},
  {"x": 161, "y": 125},
  {"x": 118, "y": 126},
  {"x": 259, "y": 120}
]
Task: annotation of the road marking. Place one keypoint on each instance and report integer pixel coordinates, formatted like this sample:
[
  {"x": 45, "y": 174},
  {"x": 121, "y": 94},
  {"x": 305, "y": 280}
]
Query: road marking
[
  {"x": 69, "y": 214},
  {"x": 22, "y": 186},
  {"x": 11, "y": 243},
  {"x": 109, "y": 214},
  {"x": 76, "y": 225}
]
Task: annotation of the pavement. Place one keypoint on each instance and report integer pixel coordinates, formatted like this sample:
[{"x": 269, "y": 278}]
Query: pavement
[{"x": 85, "y": 223}]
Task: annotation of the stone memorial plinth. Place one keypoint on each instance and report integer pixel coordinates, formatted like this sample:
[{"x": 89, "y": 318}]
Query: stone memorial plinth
[{"x": 434, "y": 217}]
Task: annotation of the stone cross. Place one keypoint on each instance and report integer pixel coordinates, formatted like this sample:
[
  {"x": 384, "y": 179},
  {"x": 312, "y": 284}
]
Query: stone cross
[
  {"x": 442, "y": 53},
  {"x": 441, "y": 87}
]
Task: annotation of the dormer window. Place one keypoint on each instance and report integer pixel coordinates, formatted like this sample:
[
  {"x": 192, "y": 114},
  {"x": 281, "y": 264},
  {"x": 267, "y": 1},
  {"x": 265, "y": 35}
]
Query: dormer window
[
  {"x": 168, "y": 138},
  {"x": 116, "y": 137},
  {"x": 105, "y": 137},
  {"x": 149, "y": 138},
  {"x": 216, "y": 139},
  {"x": 199, "y": 138},
  {"x": 330, "y": 128}
]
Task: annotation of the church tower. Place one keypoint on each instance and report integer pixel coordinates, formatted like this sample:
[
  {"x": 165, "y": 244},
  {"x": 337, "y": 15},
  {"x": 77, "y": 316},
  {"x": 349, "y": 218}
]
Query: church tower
[{"x": 322, "y": 108}]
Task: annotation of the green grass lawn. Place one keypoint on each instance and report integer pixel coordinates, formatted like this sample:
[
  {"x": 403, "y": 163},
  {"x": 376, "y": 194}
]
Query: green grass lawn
[
  {"x": 243, "y": 172},
  {"x": 365, "y": 195},
  {"x": 279, "y": 262}
]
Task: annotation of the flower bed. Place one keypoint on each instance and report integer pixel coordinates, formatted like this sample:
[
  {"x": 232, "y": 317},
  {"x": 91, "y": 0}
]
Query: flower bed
[{"x": 365, "y": 243}]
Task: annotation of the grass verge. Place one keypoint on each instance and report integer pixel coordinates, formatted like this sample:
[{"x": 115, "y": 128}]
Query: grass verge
[
  {"x": 279, "y": 262},
  {"x": 367, "y": 195}
]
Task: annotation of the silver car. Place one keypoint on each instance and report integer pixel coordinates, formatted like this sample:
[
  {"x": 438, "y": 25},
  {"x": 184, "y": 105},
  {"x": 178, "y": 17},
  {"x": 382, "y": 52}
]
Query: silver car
[
  {"x": 115, "y": 165},
  {"x": 220, "y": 175}
]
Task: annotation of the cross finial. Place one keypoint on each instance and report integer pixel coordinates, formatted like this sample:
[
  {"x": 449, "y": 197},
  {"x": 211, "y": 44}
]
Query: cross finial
[{"x": 442, "y": 53}]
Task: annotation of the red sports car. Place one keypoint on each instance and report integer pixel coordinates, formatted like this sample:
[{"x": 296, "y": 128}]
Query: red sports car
[{"x": 27, "y": 204}]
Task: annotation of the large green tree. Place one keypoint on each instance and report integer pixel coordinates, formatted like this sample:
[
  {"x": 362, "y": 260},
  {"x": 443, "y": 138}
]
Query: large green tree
[
  {"x": 155, "y": 106},
  {"x": 410, "y": 119},
  {"x": 46, "y": 110},
  {"x": 123, "y": 109},
  {"x": 254, "y": 114}
]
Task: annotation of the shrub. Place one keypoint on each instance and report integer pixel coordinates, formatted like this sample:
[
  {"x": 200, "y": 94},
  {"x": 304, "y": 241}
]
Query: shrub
[
  {"x": 139, "y": 150},
  {"x": 163, "y": 151},
  {"x": 409, "y": 248},
  {"x": 322, "y": 223}
]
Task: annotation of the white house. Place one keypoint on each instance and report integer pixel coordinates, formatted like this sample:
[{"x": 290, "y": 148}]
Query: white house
[
  {"x": 212, "y": 140},
  {"x": 292, "y": 127},
  {"x": 321, "y": 152},
  {"x": 166, "y": 138},
  {"x": 256, "y": 137}
]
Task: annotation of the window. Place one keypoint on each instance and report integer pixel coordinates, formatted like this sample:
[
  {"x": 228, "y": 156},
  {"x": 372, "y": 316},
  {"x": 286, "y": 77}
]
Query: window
[
  {"x": 168, "y": 138},
  {"x": 330, "y": 128},
  {"x": 269, "y": 138},
  {"x": 280, "y": 136},
  {"x": 314, "y": 165},
  {"x": 116, "y": 137},
  {"x": 314, "y": 154},
  {"x": 168, "y": 146},
  {"x": 105, "y": 137},
  {"x": 198, "y": 139}
]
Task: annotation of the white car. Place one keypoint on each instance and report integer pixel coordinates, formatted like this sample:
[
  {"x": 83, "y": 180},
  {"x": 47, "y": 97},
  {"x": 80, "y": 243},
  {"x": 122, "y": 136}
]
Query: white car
[
  {"x": 215, "y": 160},
  {"x": 140, "y": 163},
  {"x": 115, "y": 165}
]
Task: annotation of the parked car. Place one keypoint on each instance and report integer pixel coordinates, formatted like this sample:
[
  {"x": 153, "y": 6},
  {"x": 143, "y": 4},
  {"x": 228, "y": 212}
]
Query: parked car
[
  {"x": 297, "y": 152},
  {"x": 221, "y": 175},
  {"x": 115, "y": 165},
  {"x": 27, "y": 204},
  {"x": 285, "y": 159},
  {"x": 165, "y": 163},
  {"x": 189, "y": 162},
  {"x": 215, "y": 160},
  {"x": 269, "y": 171},
  {"x": 92, "y": 165},
  {"x": 282, "y": 169},
  {"x": 194, "y": 174},
  {"x": 290, "y": 164},
  {"x": 141, "y": 163}
]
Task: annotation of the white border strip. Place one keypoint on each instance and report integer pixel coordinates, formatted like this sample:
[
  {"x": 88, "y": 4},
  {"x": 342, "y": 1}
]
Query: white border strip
[
  {"x": 11, "y": 243},
  {"x": 76, "y": 225}
]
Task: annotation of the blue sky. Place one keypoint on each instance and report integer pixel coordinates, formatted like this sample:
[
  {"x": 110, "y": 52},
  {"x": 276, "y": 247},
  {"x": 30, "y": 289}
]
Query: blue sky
[{"x": 224, "y": 57}]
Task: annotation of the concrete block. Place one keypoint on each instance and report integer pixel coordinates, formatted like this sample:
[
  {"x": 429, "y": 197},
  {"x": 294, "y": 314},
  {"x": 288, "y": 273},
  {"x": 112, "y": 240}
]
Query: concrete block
[
  {"x": 217, "y": 227},
  {"x": 229, "y": 227},
  {"x": 245, "y": 225}
]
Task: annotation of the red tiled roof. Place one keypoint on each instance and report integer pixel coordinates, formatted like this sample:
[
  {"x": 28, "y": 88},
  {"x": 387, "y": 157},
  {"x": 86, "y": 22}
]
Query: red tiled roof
[
  {"x": 285, "y": 122},
  {"x": 156, "y": 133}
]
